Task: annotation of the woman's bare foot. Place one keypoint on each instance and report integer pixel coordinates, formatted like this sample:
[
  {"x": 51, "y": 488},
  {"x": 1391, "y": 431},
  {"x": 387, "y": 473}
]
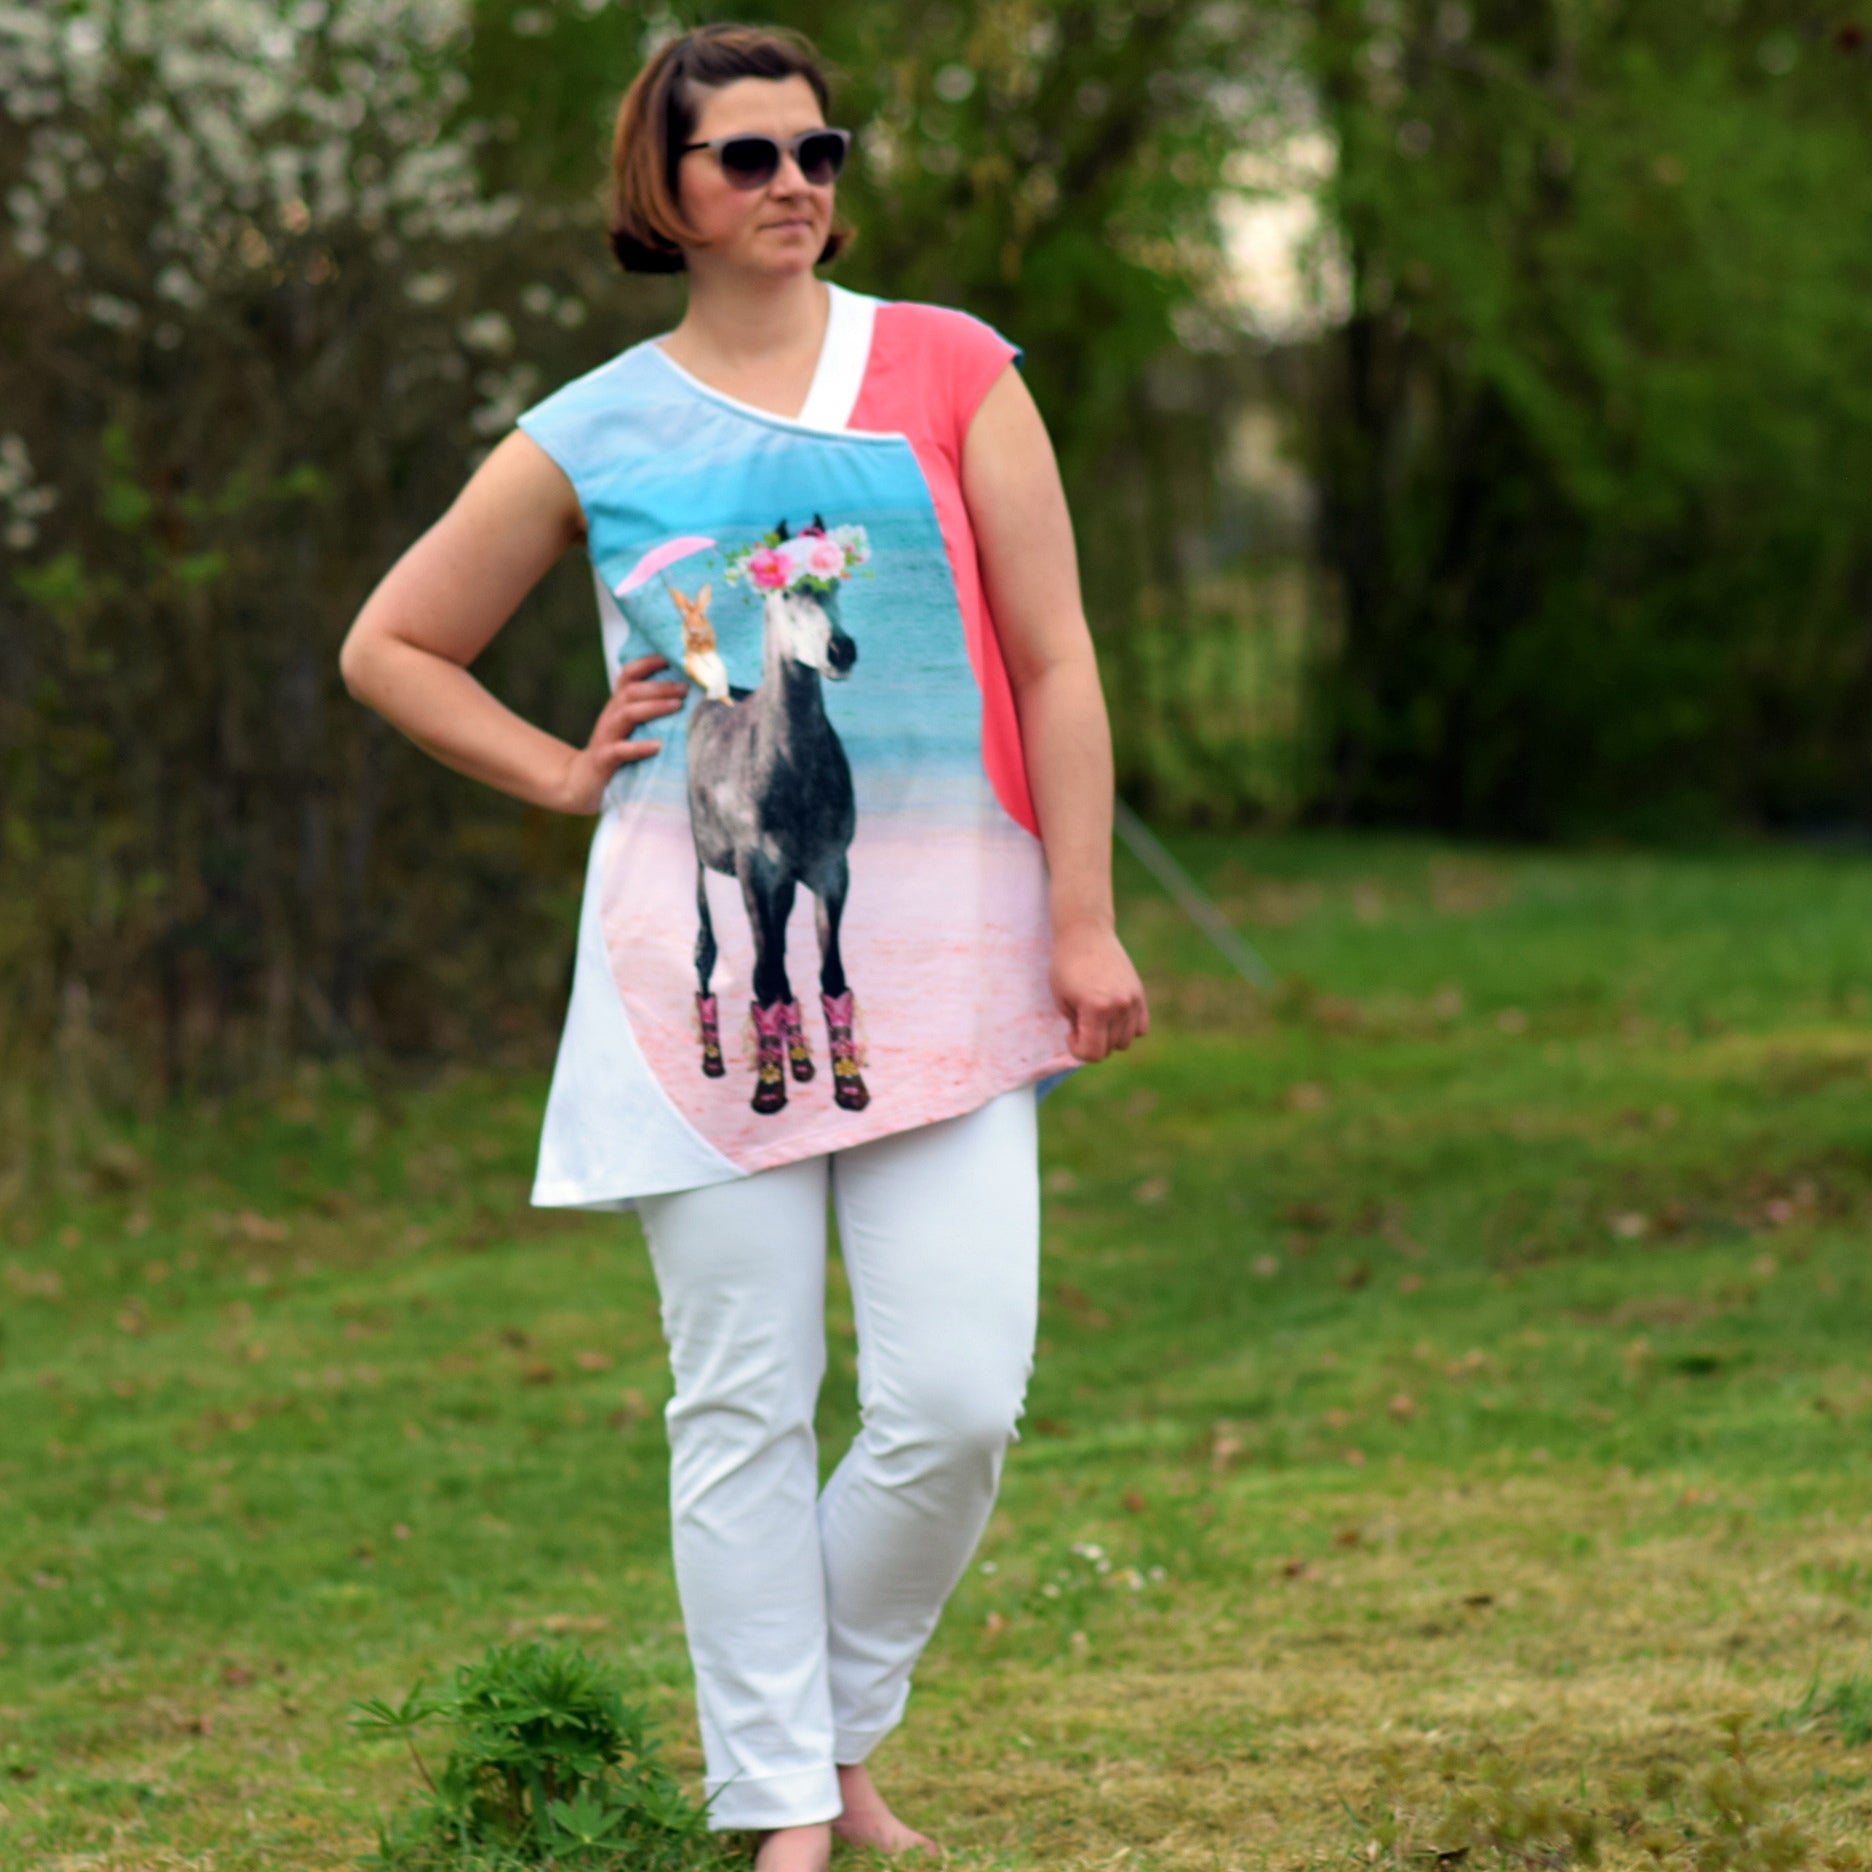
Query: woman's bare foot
[
  {"x": 866, "y": 1820},
  {"x": 794, "y": 1849}
]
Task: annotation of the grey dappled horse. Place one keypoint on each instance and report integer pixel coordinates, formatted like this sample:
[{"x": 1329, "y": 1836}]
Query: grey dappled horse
[{"x": 770, "y": 805}]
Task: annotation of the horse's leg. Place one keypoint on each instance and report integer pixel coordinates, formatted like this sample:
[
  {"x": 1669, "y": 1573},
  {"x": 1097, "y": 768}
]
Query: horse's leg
[
  {"x": 705, "y": 952},
  {"x": 835, "y": 995},
  {"x": 768, "y": 895}
]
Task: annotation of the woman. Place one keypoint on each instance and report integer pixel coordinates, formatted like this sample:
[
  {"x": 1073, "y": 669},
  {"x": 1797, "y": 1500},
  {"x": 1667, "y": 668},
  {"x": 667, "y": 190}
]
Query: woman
[{"x": 842, "y": 519}]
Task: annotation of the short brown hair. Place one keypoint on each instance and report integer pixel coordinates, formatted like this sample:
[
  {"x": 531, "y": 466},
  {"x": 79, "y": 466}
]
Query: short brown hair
[{"x": 658, "y": 117}]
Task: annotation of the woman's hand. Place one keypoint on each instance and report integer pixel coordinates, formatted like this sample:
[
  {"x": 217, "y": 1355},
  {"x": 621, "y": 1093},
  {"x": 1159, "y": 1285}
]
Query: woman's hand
[
  {"x": 634, "y": 701},
  {"x": 1097, "y": 989}
]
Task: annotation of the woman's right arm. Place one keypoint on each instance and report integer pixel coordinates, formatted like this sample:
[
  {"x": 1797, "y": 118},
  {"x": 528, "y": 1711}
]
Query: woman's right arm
[{"x": 408, "y": 650}]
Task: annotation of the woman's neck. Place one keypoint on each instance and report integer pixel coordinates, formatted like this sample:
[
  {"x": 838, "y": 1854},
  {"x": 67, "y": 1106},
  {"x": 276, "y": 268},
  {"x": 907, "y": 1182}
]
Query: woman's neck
[{"x": 740, "y": 326}]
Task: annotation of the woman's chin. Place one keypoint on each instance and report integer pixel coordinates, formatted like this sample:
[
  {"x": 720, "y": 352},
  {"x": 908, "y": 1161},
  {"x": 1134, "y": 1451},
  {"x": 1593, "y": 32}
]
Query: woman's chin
[{"x": 791, "y": 255}]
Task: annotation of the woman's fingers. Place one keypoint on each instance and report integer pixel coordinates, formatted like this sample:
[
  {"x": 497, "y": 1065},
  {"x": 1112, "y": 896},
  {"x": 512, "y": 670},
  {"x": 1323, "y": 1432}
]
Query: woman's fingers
[
  {"x": 636, "y": 703},
  {"x": 1100, "y": 1027}
]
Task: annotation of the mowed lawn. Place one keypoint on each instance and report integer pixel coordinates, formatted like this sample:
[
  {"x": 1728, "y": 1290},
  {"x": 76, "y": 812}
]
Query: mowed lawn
[{"x": 1451, "y": 1442}]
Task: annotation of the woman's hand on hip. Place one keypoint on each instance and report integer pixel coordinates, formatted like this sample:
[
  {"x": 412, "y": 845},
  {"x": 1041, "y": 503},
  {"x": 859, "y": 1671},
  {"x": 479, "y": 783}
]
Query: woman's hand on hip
[
  {"x": 635, "y": 700},
  {"x": 1098, "y": 990}
]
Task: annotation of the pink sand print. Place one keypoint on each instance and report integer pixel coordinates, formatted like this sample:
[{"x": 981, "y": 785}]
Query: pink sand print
[{"x": 940, "y": 1022}]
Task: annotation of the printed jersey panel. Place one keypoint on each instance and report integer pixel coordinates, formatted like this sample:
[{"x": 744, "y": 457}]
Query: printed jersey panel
[
  {"x": 929, "y": 368},
  {"x": 819, "y": 921}
]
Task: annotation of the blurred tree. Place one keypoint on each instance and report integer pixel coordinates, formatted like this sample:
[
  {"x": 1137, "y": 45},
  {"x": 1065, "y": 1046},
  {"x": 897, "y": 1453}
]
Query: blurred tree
[
  {"x": 269, "y": 311},
  {"x": 1594, "y": 441}
]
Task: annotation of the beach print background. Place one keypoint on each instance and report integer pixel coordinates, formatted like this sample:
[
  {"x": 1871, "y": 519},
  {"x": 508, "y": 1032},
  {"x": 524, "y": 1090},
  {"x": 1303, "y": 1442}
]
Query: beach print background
[{"x": 946, "y": 891}]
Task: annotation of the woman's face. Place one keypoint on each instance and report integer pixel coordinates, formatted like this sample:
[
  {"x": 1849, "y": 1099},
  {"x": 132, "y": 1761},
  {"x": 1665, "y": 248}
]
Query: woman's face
[{"x": 780, "y": 227}]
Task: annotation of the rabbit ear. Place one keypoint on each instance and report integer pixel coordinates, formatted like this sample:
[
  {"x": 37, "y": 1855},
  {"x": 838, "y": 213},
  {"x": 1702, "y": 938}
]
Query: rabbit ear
[
  {"x": 781, "y": 529},
  {"x": 702, "y": 598}
]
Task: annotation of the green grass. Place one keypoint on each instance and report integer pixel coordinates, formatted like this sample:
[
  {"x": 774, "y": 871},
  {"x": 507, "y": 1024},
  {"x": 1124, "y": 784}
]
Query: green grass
[{"x": 1451, "y": 1413}]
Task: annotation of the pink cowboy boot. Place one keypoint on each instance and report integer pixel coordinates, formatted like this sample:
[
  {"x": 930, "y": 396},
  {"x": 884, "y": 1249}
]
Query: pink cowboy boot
[
  {"x": 769, "y": 1073},
  {"x": 712, "y": 1067},
  {"x": 798, "y": 1058},
  {"x": 848, "y": 1088}
]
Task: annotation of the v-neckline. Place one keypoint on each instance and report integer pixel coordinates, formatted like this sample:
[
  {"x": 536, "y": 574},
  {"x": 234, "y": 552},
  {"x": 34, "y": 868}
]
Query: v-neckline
[{"x": 836, "y": 374}]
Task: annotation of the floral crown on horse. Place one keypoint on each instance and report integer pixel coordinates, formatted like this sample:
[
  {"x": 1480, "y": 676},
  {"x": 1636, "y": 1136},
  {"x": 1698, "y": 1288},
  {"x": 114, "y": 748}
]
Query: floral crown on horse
[{"x": 813, "y": 560}]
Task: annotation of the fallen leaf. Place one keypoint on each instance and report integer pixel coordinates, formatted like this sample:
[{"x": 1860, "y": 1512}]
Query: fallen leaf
[
  {"x": 592, "y": 1360},
  {"x": 1151, "y": 1190},
  {"x": 1133, "y": 1502},
  {"x": 1267, "y": 1265},
  {"x": 1403, "y": 1407},
  {"x": 1307, "y": 1096}
]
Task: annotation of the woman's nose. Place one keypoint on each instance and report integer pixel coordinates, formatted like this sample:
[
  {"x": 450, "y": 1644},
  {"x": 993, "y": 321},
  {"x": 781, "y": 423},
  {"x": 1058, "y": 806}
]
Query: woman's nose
[{"x": 790, "y": 175}]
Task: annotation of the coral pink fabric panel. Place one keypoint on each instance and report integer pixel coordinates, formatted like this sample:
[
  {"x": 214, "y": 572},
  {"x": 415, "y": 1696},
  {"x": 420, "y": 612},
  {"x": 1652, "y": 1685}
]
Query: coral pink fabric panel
[{"x": 929, "y": 369}]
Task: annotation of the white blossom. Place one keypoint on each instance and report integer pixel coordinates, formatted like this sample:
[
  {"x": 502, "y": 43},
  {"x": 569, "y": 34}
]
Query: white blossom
[
  {"x": 108, "y": 309},
  {"x": 487, "y": 331},
  {"x": 22, "y": 500}
]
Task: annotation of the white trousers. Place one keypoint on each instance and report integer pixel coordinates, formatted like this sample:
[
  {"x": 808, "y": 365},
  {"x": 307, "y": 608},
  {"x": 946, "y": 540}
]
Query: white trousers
[{"x": 807, "y": 1610}]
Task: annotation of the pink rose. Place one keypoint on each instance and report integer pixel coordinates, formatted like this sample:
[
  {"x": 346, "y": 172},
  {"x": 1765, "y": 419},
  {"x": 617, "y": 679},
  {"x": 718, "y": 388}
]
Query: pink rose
[
  {"x": 827, "y": 559},
  {"x": 767, "y": 569}
]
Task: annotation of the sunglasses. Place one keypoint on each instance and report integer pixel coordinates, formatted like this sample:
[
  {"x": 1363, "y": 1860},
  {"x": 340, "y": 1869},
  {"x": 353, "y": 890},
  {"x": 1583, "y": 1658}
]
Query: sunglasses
[{"x": 751, "y": 162}]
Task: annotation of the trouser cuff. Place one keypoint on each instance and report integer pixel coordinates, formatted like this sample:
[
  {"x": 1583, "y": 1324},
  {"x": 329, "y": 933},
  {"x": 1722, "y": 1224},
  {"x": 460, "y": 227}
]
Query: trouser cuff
[
  {"x": 851, "y": 1746},
  {"x": 805, "y": 1797}
]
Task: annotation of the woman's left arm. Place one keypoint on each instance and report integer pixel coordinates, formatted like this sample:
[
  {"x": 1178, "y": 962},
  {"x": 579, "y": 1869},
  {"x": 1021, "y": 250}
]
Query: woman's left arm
[{"x": 1030, "y": 570}]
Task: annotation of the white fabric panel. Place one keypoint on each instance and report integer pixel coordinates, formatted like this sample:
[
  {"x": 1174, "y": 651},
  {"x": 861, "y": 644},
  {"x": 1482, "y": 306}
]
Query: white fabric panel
[{"x": 601, "y": 1072}]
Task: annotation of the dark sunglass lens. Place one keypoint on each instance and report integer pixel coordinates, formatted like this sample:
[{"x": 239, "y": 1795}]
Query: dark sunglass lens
[
  {"x": 821, "y": 158},
  {"x": 750, "y": 161}
]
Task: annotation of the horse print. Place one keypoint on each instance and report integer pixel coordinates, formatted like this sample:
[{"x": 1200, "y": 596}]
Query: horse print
[{"x": 771, "y": 805}]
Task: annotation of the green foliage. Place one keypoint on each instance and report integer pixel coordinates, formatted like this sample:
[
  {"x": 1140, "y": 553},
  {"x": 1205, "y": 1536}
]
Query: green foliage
[
  {"x": 1591, "y": 441},
  {"x": 549, "y": 1765},
  {"x": 1845, "y": 1705}
]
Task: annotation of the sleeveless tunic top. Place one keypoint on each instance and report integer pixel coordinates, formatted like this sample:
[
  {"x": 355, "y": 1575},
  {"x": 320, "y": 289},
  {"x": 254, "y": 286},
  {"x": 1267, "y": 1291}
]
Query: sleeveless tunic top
[{"x": 819, "y": 915}]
